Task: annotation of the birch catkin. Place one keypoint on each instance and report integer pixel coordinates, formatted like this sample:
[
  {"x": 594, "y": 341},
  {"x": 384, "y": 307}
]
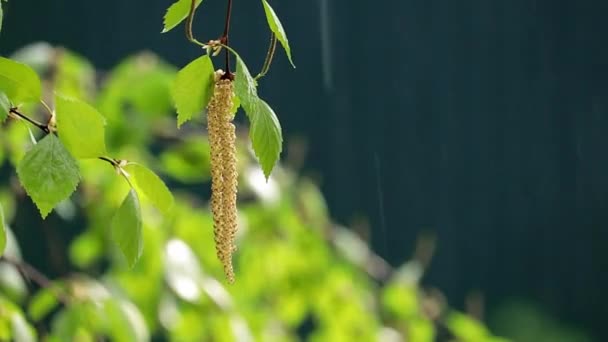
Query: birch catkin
[{"x": 222, "y": 142}]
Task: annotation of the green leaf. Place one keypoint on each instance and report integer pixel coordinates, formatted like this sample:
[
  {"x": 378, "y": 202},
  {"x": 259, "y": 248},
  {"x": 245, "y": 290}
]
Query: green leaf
[
  {"x": 266, "y": 137},
  {"x": 80, "y": 128},
  {"x": 245, "y": 87},
  {"x": 152, "y": 186},
  {"x": 193, "y": 88},
  {"x": 48, "y": 173},
  {"x": 3, "y": 234},
  {"x": 5, "y": 107},
  {"x": 126, "y": 228},
  {"x": 43, "y": 302},
  {"x": 19, "y": 82},
  {"x": 177, "y": 13},
  {"x": 236, "y": 104},
  {"x": 277, "y": 28}
]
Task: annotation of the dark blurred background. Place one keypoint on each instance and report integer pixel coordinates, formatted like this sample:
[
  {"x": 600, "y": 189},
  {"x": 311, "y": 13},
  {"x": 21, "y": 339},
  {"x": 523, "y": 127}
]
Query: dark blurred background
[{"x": 482, "y": 121}]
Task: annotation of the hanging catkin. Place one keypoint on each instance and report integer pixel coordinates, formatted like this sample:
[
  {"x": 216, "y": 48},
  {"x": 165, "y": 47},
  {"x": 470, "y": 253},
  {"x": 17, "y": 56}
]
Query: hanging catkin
[{"x": 222, "y": 142}]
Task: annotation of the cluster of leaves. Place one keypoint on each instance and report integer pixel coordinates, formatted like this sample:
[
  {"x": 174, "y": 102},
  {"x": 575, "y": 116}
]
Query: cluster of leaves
[
  {"x": 300, "y": 276},
  {"x": 49, "y": 170},
  {"x": 193, "y": 86}
]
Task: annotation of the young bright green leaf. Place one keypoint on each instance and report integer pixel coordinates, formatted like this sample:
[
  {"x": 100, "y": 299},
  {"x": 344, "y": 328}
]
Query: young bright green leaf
[
  {"x": 126, "y": 228},
  {"x": 277, "y": 28},
  {"x": 266, "y": 137},
  {"x": 43, "y": 302},
  {"x": 19, "y": 82},
  {"x": 152, "y": 186},
  {"x": 48, "y": 173},
  {"x": 5, "y": 106},
  {"x": 177, "y": 13},
  {"x": 193, "y": 88},
  {"x": 80, "y": 128},
  {"x": 236, "y": 104},
  {"x": 2, "y": 231},
  {"x": 245, "y": 87}
]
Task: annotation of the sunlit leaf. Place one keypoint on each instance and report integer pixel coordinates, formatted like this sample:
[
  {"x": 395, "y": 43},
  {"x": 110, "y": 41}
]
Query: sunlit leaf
[
  {"x": 19, "y": 82},
  {"x": 3, "y": 234},
  {"x": 193, "y": 88},
  {"x": 80, "y": 127},
  {"x": 126, "y": 228},
  {"x": 152, "y": 187},
  {"x": 266, "y": 137},
  {"x": 48, "y": 173},
  {"x": 5, "y": 105},
  {"x": 22, "y": 330},
  {"x": 245, "y": 87},
  {"x": 177, "y": 13},
  {"x": 277, "y": 28}
]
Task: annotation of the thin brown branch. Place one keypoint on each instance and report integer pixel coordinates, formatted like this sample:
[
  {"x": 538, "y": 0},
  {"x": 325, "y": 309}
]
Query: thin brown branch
[
  {"x": 41, "y": 126},
  {"x": 225, "y": 40},
  {"x": 31, "y": 273}
]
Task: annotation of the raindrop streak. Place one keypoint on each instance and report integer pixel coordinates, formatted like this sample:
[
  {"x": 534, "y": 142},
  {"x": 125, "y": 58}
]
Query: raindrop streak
[
  {"x": 326, "y": 53},
  {"x": 380, "y": 193}
]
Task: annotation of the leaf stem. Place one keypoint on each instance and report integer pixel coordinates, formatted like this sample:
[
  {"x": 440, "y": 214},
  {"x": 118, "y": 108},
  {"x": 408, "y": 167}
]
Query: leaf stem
[
  {"x": 189, "y": 21},
  {"x": 41, "y": 126},
  {"x": 47, "y": 107},
  {"x": 114, "y": 162},
  {"x": 269, "y": 56}
]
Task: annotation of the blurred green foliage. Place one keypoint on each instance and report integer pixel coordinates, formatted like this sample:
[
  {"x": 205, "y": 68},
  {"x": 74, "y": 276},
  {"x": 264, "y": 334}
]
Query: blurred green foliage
[{"x": 298, "y": 276}]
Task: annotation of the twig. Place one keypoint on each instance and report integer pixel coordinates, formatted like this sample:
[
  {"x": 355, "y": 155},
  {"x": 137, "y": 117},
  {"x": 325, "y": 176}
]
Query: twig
[
  {"x": 43, "y": 127},
  {"x": 225, "y": 40},
  {"x": 31, "y": 273}
]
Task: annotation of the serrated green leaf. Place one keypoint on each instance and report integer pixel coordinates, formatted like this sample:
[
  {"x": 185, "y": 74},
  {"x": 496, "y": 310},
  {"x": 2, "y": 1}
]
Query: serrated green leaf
[
  {"x": 266, "y": 137},
  {"x": 19, "y": 82},
  {"x": 277, "y": 28},
  {"x": 126, "y": 228},
  {"x": 80, "y": 128},
  {"x": 3, "y": 233},
  {"x": 5, "y": 107},
  {"x": 48, "y": 173},
  {"x": 245, "y": 87},
  {"x": 152, "y": 187},
  {"x": 177, "y": 13},
  {"x": 193, "y": 88}
]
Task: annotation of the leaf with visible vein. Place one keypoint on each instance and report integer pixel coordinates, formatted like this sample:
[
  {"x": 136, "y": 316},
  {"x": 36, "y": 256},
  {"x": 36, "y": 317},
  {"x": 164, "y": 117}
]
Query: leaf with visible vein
[
  {"x": 126, "y": 228},
  {"x": 48, "y": 173},
  {"x": 19, "y": 82},
  {"x": 193, "y": 88},
  {"x": 266, "y": 137},
  {"x": 151, "y": 186},
  {"x": 277, "y": 28},
  {"x": 245, "y": 87},
  {"x": 81, "y": 128},
  {"x": 177, "y": 13}
]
